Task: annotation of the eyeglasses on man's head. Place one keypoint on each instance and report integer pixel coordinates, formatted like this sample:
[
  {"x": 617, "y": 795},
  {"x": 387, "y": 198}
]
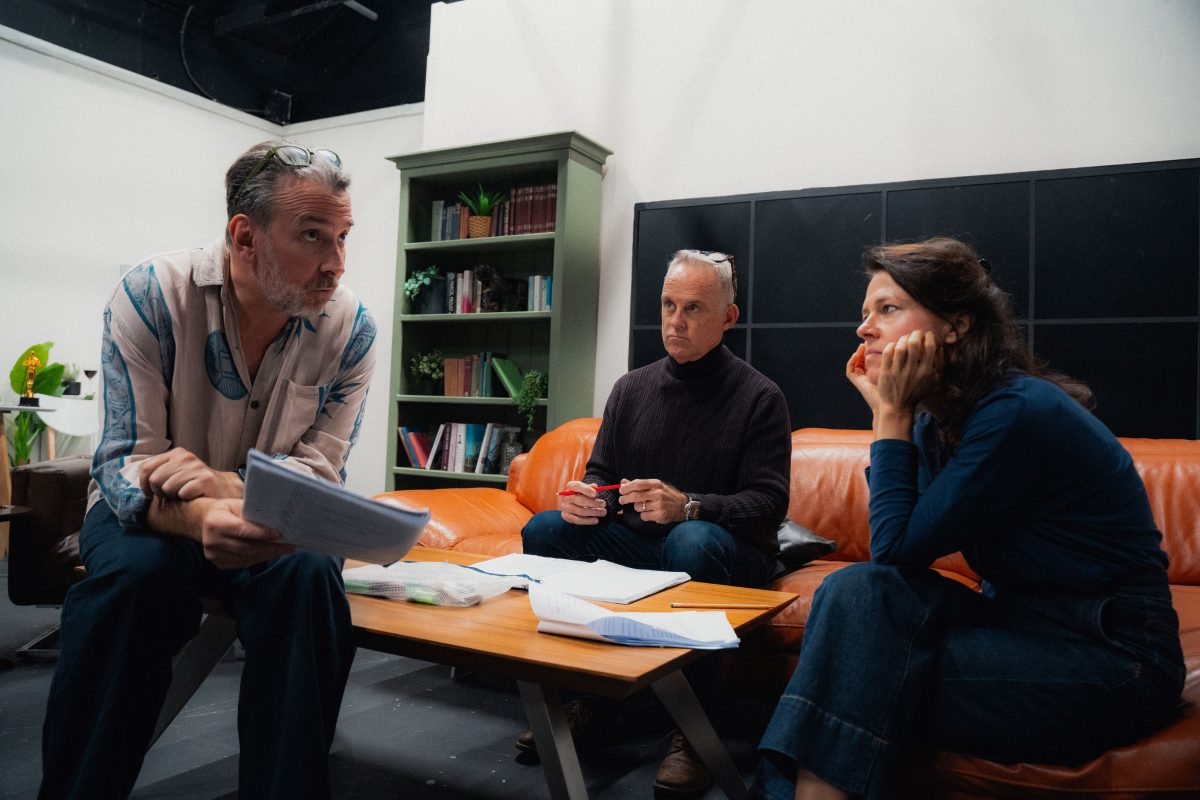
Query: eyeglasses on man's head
[{"x": 290, "y": 154}]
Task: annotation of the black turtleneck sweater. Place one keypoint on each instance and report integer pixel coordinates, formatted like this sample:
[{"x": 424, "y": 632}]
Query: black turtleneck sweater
[{"x": 715, "y": 427}]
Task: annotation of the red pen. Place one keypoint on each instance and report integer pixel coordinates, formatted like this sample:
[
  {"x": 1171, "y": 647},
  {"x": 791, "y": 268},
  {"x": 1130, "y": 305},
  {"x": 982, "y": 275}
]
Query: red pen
[{"x": 566, "y": 492}]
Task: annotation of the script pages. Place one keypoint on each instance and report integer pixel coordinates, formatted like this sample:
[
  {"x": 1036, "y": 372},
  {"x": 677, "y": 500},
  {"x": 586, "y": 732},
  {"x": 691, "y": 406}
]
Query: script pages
[
  {"x": 317, "y": 515},
  {"x": 596, "y": 580},
  {"x": 569, "y": 616}
]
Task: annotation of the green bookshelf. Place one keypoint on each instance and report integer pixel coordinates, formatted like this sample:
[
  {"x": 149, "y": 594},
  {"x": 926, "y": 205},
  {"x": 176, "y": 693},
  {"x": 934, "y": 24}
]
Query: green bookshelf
[{"x": 559, "y": 342}]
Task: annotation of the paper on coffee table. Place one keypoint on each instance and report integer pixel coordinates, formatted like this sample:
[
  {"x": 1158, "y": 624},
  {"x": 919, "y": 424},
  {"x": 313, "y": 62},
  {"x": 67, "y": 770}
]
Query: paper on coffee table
[{"x": 563, "y": 614}]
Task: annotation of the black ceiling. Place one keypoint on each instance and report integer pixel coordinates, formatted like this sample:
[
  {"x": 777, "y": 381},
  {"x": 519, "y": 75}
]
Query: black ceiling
[{"x": 282, "y": 60}]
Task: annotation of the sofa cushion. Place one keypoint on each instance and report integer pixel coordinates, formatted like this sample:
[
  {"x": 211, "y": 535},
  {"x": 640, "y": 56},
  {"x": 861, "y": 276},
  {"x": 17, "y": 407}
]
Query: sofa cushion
[
  {"x": 1170, "y": 468},
  {"x": 558, "y": 456},
  {"x": 472, "y": 519}
]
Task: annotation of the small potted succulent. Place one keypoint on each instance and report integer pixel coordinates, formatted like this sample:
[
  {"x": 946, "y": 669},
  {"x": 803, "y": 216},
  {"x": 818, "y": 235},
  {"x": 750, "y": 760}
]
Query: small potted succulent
[
  {"x": 426, "y": 290},
  {"x": 482, "y": 204},
  {"x": 427, "y": 370}
]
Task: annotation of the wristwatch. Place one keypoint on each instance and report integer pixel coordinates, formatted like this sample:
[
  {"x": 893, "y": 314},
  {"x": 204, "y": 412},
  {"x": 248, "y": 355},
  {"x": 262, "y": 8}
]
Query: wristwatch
[{"x": 691, "y": 509}]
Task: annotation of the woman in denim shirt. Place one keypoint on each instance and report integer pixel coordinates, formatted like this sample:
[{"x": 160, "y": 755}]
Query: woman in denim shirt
[{"x": 1072, "y": 646}]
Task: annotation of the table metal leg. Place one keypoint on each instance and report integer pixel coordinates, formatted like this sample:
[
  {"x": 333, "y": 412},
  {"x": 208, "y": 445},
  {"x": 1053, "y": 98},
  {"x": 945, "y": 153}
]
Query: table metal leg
[
  {"x": 676, "y": 694},
  {"x": 556, "y": 748}
]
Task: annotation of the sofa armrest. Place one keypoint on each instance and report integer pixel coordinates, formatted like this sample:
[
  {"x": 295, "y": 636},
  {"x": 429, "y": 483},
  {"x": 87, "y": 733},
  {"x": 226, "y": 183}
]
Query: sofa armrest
[
  {"x": 44, "y": 544},
  {"x": 471, "y": 519}
]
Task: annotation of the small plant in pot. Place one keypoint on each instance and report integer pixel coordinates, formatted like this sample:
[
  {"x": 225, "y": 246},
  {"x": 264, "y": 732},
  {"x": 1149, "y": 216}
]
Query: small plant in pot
[
  {"x": 482, "y": 205},
  {"x": 426, "y": 291},
  {"x": 532, "y": 389},
  {"x": 427, "y": 371}
]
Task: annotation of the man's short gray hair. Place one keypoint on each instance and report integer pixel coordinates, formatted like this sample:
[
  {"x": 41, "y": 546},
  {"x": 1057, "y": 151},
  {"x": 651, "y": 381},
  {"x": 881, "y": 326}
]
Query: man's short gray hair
[
  {"x": 721, "y": 263},
  {"x": 256, "y": 199}
]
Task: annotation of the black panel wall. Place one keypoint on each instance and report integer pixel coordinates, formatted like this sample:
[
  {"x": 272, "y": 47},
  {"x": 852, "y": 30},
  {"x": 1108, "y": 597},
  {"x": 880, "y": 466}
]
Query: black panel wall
[{"x": 1102, "y": 263}]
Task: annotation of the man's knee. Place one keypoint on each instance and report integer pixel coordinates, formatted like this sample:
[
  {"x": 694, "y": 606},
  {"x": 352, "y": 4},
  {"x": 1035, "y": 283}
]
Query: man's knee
[
  {"x": 542, "y": 533},
  {"x": 701, "y": 549}
]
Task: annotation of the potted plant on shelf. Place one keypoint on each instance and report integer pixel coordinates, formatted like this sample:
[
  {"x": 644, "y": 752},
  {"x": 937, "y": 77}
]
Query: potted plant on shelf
[
  {"x": 479, "y": 224},
  {"x": 533, "y": 387},
  {"x": 426, "y": 290},
  {"x": 427, "y": 370}
]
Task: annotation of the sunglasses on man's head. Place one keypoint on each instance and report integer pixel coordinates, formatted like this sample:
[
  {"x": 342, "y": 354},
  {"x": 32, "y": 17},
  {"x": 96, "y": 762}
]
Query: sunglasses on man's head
[
  {"x": 717, "y": 257},
  {"x": 290, "y": 154}
]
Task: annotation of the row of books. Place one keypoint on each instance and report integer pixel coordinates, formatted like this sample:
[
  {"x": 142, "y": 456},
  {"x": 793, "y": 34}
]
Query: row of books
[
  {"x": 467, "y": 294},
  {"x": 475, "y": 375},
  {"x": 457, "y": 447},
  {"x": 528, "y": 209}
]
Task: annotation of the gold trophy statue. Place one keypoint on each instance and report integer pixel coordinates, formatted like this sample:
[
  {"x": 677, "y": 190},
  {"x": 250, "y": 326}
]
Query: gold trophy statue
[{"x": 31, "y": 364}]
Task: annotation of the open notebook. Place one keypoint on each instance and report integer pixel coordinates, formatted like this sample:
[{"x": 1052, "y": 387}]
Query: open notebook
[
  {"x": 569, "y": 616},
  {"x": 596, "y": 580}
]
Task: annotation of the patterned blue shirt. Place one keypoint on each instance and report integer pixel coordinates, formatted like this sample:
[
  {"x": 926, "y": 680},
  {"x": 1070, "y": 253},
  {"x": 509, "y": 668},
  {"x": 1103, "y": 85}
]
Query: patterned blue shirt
[{"x": 175, "y": 376}]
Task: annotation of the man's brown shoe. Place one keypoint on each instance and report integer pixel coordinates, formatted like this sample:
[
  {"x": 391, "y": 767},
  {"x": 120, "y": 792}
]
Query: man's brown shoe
[
  {"x": 578, "y": 717},
  {"x": 682, "y": 773}
]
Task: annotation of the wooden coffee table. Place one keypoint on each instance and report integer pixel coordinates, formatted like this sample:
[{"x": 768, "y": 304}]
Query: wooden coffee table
[{"x": 500, "y": 636}]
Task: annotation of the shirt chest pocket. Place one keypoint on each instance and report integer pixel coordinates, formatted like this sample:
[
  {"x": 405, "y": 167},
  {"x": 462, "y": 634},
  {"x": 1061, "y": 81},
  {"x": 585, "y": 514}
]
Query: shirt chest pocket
[{"x": 291, "y": 411}]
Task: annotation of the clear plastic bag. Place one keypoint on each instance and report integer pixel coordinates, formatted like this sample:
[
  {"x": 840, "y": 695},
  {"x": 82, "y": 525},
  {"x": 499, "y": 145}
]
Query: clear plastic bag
[{"x": 430, "y": 582}]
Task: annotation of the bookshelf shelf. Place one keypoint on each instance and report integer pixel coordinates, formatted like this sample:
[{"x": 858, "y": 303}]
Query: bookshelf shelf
[
  {"x": 489, "y": 244},
  {"x": 441, "y": 475},
  {"x": 559, "y": 342},
  {"x": 483, "y": 316},
  {"x": 437, "y": 399}
]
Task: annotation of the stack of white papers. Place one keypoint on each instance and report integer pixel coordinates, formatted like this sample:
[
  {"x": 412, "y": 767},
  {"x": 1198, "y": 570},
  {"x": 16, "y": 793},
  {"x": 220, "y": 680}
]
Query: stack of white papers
[
  {"x": 597, "y": 580},
  {"x": 316, "y": 515},
  {"x": 569, "y": 616}
]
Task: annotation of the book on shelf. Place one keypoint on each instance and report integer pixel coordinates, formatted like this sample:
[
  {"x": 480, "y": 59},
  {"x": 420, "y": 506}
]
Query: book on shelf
[
  {"x": 413, "y": 460},
  {"x": 595, "y": 580},
  {"x": 435, "y": 449},
  {"x": 565, "y": 615},
  {"x": 460, "y": 447},
  {"x": 509, "y": 375},
  {"x": 473, "y": 445},
  {"x": 420, "y": 445},
  {"x": 435, "y": 233}
]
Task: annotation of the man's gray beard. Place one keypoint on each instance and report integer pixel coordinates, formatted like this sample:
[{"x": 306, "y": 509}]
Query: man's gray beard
[{"x": 283, "y": 296}]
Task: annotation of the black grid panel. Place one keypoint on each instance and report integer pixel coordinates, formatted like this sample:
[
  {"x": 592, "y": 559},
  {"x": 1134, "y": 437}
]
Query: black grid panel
[{"x": 1102, "y": 264}]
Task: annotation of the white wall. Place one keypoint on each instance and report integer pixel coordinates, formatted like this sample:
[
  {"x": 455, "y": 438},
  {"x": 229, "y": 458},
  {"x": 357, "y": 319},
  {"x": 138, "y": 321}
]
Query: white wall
[
  {"x": 715, "y": 97},
  {"x": 100, "y": 168}
]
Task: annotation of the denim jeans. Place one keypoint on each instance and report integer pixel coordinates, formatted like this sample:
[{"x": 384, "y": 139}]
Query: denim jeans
[
  {"x": 896, "y": 662},
  {"x": 138, "y": 605},
  {"x": 705, "y": 551}
]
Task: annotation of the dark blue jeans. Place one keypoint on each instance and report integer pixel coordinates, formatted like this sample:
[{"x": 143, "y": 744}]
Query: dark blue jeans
[
  {"x": 138, "y": 605},
  {"x": 896, "y": 662},
  {"x": 705, "y": 551}
]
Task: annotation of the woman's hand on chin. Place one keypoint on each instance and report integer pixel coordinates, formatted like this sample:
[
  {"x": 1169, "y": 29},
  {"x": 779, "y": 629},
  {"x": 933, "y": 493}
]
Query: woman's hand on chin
[
  {"x": 909, "y": 369},
  {"x": 856, "y": 373}
]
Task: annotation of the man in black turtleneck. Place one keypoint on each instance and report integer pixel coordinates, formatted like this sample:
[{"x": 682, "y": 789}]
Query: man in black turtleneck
[{"x": 700, "y": 443}]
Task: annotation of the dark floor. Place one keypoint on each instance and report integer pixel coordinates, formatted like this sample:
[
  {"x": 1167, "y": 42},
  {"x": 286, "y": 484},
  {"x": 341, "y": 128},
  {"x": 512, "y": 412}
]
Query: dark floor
[{"x": 407, "y": 729}]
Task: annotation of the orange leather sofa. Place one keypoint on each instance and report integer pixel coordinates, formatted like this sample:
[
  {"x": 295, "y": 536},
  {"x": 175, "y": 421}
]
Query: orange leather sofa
[{"x": 829, "y": 496}]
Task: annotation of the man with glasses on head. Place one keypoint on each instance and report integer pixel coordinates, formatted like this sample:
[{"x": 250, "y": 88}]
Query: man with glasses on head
[
  {"x": 700, "y": 444},
  {"x": 249, "y": 342}
]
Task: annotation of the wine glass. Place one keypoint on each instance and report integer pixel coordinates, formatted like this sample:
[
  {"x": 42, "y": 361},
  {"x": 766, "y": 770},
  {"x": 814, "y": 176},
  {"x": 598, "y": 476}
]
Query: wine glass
[{"x": 89, "y": 374}]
